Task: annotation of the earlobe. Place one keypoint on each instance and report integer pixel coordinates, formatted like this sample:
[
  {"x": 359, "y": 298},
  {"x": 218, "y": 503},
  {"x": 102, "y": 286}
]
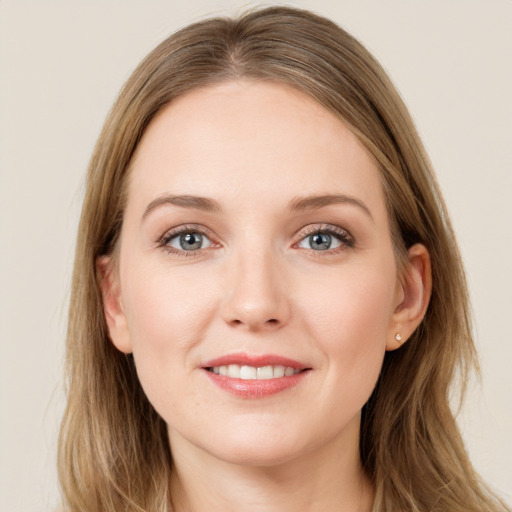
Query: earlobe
[
  {"x": 112, "y": 305},
  {"x": 414, "y": 297}
]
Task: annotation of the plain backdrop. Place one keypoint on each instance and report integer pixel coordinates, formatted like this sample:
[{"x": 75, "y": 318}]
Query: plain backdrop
[{"x": 61, "y": 66}]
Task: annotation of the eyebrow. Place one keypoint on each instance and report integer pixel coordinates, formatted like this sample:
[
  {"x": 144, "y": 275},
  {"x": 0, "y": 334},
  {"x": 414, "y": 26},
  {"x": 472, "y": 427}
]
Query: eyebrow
[
  {"x": 183, "y": 201},
  {"x": 312, "y": 202},
  {"x": 315, "y": 202}
]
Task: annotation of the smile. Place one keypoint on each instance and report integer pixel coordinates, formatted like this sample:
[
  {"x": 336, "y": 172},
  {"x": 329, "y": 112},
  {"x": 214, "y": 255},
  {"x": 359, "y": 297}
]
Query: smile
[
  {"x": 245, "y": 372},
  {"x": 255, "y": 376}
]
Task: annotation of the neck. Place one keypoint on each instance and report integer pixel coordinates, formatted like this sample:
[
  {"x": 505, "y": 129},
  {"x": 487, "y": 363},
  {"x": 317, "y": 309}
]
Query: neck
[{"x": 329, "y": 479}]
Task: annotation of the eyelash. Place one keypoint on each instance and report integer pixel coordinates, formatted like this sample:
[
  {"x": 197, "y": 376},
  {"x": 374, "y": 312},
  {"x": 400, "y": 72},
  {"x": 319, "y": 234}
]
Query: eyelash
[
  {"x": 342, "y": 235},
  {"x": 163, "y": 241}
]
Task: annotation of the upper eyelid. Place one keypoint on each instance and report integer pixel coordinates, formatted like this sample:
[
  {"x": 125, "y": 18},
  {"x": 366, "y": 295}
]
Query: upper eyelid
[
  {"x": 191, "y": 228},
  {"x": 185, "y": 228},
  {"x": 324, "y": 227}
]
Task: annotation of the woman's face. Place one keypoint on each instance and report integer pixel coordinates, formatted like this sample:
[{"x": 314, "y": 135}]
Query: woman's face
[{"x": 255, "y": 243}]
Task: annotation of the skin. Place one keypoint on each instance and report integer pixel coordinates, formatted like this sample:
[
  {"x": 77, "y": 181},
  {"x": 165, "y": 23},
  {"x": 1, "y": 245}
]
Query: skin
[{"x": 258, "y": 286}]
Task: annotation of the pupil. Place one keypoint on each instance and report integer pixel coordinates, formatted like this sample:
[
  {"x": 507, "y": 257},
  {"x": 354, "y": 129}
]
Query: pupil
[
  {"x": 191, "y": 241},
  {"x": 320, "y": 241}
]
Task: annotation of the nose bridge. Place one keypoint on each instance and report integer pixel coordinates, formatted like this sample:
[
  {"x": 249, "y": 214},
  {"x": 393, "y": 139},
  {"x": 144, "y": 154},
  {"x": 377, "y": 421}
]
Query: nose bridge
[{"x": 255, "y": 293}]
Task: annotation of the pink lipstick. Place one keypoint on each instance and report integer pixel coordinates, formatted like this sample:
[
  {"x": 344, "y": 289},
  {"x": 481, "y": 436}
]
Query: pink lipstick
[{"x": 255, "y": 376}]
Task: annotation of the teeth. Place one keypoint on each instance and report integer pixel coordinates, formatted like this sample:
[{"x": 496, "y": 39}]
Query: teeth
[
  {"x": 236, "y": 371},
  {"x": 265, "y": 372},
  {"x": 247, "y": 372},
  {"x": 278, "y": 371},
  {"x": 233, "y": 371},
  {"x": 288, "y": 372}
]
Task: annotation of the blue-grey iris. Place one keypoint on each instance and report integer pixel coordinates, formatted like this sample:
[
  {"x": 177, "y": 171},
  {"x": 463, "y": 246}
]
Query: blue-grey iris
[
  {"x": 320, "y": 241},
  {"x": 191, "y": 241}
]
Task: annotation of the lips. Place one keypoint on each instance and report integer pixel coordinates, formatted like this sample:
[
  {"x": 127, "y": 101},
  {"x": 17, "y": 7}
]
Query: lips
[{"x": 255, "y": 376}]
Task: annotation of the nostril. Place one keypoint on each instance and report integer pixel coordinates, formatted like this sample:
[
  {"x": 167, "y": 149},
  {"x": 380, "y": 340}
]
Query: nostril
[{"x": 271, "y": 322}]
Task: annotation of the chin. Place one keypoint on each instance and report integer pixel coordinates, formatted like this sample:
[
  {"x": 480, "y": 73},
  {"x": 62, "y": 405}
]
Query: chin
[
  {"x": 245, "y": 445},
  {"x": 257, "y": 454}
]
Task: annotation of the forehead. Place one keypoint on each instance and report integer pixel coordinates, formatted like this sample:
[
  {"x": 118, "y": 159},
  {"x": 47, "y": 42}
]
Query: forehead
[{"x": 250, "y": 141}]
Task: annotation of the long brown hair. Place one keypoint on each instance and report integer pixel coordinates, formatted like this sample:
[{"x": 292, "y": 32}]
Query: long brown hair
[{"x": 114, "y": 452}]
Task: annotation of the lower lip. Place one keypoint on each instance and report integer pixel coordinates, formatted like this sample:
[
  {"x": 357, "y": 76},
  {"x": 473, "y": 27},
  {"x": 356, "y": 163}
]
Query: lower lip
[{"x": 255, "y": 388}]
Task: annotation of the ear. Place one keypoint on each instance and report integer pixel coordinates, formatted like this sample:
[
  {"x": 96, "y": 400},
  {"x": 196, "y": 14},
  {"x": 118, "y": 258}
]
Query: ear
[
  {"x": 112, "y": 305},
  {"x": 412, "y": 297}
]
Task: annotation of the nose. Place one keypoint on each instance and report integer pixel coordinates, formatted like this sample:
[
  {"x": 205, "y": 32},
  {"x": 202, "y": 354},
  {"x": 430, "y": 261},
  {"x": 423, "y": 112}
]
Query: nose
[{"x": 255, "y": 296}]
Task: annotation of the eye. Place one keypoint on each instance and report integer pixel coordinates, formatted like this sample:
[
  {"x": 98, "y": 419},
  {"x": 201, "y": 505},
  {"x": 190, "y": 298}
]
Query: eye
[
  {"x": 320, "y": 242},
  {"x": 189, "y": 241},
  {"x": 185, "y": 240},
  {"x": 326, "y": 239}
]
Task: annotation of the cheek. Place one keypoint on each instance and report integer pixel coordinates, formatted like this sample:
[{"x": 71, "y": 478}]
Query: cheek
[
  {"x": 166, "y": 308},
  {"x": 167, "y": 314},
  {"x": 350, "y": 320},
  {"x": 353, "y": 304}
]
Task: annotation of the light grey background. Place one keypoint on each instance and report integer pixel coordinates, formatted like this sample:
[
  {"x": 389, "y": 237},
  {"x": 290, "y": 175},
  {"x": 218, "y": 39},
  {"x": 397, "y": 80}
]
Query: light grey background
[{"x": 62, "y": 64}]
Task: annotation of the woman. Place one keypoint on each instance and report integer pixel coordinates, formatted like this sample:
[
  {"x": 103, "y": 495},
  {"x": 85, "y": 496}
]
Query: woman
[{"x": 268, "y": 305}]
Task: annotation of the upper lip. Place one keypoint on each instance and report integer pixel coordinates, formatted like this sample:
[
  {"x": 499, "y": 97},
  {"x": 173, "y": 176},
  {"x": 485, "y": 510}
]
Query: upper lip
[{"x": 254, "y": 360}]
